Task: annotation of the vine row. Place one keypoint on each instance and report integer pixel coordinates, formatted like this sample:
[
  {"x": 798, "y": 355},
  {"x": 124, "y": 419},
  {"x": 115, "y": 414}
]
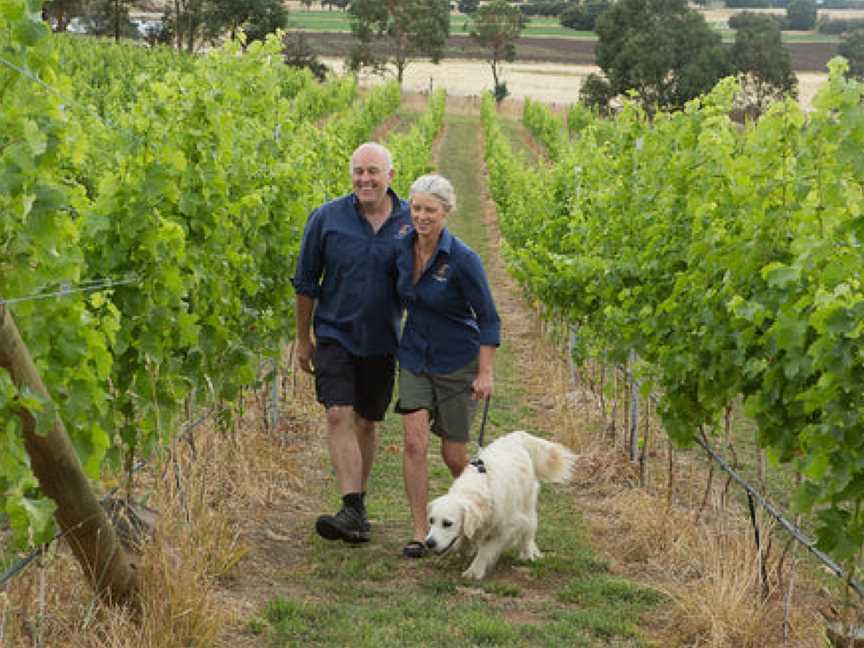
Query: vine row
[{"x": 729, "y": 259}]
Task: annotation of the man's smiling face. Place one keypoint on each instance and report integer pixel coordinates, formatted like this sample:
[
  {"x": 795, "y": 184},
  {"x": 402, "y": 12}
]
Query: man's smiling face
[{"x": 371, "y": 174}]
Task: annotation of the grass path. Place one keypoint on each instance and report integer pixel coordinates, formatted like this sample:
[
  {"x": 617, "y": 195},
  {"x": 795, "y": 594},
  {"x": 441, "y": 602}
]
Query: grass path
[{"x": 331, "y": 594}]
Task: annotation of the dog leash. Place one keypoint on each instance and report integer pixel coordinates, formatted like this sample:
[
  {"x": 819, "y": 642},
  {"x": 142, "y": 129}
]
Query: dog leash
[
  {"x": 477, "y": 462},
  {"x": 483, "y": 422}
]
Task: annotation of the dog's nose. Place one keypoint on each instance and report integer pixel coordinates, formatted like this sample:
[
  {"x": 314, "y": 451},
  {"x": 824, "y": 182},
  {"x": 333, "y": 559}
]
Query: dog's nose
[{"x": 430, "y": 542}]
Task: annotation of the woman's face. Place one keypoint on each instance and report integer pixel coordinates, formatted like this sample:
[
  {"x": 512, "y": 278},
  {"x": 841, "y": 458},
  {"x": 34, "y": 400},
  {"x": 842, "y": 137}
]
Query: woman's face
[{"x": 428, "y": 214}]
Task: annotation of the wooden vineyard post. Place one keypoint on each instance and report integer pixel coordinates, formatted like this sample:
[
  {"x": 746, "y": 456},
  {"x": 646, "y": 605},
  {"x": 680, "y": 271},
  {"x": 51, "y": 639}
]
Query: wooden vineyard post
[
  {"x": 55, "y": 464},
  {"x": 634, "y": 409}
]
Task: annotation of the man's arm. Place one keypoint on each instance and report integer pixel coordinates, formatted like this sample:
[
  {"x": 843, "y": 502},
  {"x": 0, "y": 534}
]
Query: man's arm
[{"x": 305, "y": 348}]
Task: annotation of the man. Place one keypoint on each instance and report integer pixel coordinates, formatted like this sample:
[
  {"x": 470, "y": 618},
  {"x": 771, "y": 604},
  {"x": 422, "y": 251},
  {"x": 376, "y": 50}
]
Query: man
[{"x": 346, "y": 263}]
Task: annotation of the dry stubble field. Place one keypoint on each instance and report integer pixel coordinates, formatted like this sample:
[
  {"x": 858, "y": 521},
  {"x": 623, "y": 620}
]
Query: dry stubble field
[{"x": 556, "y": 84}]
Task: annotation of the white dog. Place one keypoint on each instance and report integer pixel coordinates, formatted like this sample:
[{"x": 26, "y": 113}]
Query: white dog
[{"x": 496, "y": 510}]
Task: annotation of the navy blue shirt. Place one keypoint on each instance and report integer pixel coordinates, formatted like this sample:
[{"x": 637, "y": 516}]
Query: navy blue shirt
[
  {"x": 348, "y": 268},
  {"x": 451, "y": 313}
]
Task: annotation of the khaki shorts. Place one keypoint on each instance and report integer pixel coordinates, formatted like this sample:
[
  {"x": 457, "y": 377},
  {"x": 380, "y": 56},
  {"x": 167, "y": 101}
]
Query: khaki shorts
[{"x": 446, "y": 396}]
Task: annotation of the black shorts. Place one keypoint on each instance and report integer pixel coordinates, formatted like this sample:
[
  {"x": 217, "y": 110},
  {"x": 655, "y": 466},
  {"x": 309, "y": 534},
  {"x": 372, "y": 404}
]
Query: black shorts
[{"x": 365, "y": 383}]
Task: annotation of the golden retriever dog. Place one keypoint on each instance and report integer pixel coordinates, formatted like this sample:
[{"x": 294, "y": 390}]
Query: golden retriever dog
[{"x": 487, "y": 513}]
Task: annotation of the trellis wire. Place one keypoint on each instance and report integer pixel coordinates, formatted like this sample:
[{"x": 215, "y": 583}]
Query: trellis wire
[
  {"x": 90, "y": 285},
  {"x": 752, "y": 493},
  {"x": 24, "y": 562}
]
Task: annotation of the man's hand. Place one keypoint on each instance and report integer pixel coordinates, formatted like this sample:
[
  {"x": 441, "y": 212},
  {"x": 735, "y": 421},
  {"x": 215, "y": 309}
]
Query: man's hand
[{"x": 305, "y": 349}]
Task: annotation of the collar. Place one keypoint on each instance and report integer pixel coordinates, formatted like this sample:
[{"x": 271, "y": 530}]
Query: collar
[{"x": 445, "y": 242}]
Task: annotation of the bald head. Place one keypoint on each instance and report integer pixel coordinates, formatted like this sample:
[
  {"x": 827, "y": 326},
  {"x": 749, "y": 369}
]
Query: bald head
[
  {"x": 373, "y": 151},
  {"x": 371, "y": 174}
]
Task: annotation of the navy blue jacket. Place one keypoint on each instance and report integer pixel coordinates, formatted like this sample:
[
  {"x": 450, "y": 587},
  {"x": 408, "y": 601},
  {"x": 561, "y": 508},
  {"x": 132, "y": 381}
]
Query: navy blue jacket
[
  {"x": 348, "y": 268},
  {"x": 451, "y": 313}
]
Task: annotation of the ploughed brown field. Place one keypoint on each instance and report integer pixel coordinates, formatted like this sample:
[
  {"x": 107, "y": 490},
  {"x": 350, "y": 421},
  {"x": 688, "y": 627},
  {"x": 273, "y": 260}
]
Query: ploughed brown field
[{"x": 806, "y": 57}]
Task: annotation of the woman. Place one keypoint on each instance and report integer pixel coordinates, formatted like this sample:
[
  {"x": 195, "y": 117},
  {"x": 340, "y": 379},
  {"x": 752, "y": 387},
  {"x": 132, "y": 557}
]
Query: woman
[{"x": 447, "y": 350}]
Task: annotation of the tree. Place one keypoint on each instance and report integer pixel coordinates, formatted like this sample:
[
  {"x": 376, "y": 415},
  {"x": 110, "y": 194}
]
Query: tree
[
  {"x": 403, "y": 30},
  {"x": 185, "y": 20},
  {"x": 496, "y": 26},
  {"x": 468, "y": 7},
  {"x": 109, "y": 18},
  {"x": 763, "y": 64},
  {"x": 192, "y": 23},
  {"x": 662, "y": 49},
  {"x": 596, "y": 92},
  {"x": 583, "y": 17},
  {"x": 58, "y": 13},
  {"x": 852, "y": 49},
  {"x": 257, "y": 18},
  {"x": 746, "y": 18},
  {"x": 801, "y": 14},
  {"x": 297, "y": 53}
]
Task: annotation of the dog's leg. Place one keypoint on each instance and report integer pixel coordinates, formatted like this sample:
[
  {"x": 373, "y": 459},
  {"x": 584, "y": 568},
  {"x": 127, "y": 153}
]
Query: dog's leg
[
  {"x": 528, "y": 549},
  {"x": 487, "y": 556},
  {"x": 525, "y": 544}
]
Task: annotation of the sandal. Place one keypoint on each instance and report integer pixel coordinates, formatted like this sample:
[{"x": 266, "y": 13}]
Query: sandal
[{"x": 414, "y": 549}]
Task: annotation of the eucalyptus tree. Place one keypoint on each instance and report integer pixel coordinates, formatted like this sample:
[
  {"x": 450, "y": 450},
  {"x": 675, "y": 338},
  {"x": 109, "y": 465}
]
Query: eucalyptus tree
[
  {"x": 394, "y": 32},
  {"x": 852, "y": 48},
  {"x": 662, "y": 49},
  {"x": 496, "y": 26},
  {"x": 763, "y": 64}
]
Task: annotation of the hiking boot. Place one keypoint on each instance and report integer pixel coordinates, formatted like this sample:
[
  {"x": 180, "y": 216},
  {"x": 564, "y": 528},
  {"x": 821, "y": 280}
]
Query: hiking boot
[
  {"x": 365, "y": 528},
  {"x": 348, "y": 525}
]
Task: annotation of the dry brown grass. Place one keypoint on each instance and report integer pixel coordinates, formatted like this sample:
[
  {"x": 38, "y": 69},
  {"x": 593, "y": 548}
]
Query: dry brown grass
[
  {"x": 692, "y": 542},
  {"x": 51, "y": 605},
  {"x": 207, "y": 490}
]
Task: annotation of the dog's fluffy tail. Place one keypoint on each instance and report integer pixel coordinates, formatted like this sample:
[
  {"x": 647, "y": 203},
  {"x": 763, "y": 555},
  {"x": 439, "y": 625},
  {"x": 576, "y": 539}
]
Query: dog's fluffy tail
[{"x": 552, "y": 461}]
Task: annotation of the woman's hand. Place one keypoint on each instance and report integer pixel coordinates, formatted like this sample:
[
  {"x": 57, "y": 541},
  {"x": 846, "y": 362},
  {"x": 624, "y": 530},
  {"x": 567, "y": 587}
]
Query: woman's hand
[
  {"x": 482, "y": 386},
  {"x": 483, "y": 383}
]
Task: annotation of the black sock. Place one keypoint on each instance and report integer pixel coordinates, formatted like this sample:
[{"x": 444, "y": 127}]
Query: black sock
[
  {"x": 363, "y": 500},
  {"x": 354, "y": 501}
]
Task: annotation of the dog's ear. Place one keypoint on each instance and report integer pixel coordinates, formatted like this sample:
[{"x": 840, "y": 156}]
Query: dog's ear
[{"x": 475, "y": 517}]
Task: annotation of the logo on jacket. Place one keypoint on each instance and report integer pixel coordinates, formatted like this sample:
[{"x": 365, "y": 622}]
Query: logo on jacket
[
  {"x": 441, "y": 272},
  {"x": 403, "y": 231}
]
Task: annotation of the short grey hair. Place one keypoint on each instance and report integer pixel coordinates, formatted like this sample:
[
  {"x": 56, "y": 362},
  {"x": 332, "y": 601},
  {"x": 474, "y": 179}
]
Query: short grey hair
[{"x": 435, "y": 185}]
